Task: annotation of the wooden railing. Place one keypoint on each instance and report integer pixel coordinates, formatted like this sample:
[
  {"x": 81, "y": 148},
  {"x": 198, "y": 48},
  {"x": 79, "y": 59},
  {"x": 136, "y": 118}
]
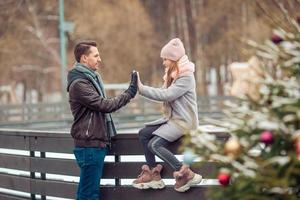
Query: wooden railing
[
  {"x": 36, "y": 165},
  {"x": 57, "y": 115}
]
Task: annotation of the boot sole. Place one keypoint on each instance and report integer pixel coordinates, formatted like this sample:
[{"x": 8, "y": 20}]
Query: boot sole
[
  {"x": 195, "y": 181},
  {"x": 153, "y": 184}
]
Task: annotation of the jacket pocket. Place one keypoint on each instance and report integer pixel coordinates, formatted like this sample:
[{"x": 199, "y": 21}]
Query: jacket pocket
[{"x": 88, "y": 127}]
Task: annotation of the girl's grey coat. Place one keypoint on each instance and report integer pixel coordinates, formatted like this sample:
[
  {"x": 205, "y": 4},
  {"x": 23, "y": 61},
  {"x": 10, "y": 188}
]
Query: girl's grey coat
[{"x": 181, "y": 101}]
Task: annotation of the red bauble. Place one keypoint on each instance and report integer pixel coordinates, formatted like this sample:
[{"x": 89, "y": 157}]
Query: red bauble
[
  {"x": 298, "y": 20},
  {"x": 276, "y": 39},
  {"x": 224, "y": 178},
  {"x": 298, "y": 148},
  {"x": 266, "y": 137},
  {"x": 297, "y": 145}
]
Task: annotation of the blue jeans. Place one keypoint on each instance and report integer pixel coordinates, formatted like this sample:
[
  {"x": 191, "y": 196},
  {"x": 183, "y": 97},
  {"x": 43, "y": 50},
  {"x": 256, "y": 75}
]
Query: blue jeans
[{"x": 90, "y": 161}]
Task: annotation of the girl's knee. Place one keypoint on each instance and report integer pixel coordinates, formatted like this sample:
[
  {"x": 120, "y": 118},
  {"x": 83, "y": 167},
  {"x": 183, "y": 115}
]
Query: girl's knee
[
  {"x": 145, "y": 134},
  {"x": 142, "y": 133}
]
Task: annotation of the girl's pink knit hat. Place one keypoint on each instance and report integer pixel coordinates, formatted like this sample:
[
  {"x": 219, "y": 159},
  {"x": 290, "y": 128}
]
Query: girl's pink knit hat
[{"x": 173, "y": 50}]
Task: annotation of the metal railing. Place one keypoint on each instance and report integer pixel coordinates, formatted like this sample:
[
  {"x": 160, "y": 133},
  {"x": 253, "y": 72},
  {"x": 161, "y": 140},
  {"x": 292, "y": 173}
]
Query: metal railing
[{"x": 57, "y": 115}]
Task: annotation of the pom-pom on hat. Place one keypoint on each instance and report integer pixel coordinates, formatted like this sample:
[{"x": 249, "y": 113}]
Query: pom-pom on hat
[{"x": 173, "y": 50}]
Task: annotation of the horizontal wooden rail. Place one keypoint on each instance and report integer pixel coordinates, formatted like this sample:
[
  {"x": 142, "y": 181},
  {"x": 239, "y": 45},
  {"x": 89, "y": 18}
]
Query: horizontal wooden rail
[{"x": 38, "y": 143}]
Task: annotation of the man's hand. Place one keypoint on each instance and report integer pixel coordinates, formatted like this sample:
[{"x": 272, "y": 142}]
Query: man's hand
[{"x": 132, "y": 89}]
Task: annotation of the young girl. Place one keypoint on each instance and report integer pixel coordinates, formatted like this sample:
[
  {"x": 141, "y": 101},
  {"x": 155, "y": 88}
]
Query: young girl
[{"x": 180, "y": 114}]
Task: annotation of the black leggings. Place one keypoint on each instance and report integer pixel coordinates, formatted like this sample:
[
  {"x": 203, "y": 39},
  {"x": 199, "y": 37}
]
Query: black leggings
[{"x": 155, "y": 145}]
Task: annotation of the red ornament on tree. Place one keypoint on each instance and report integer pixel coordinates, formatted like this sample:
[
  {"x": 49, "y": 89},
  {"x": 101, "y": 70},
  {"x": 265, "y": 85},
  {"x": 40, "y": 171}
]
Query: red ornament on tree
[
  {"x": 276, "y": 39},
  {"x": 297, "y": 146},
  {"x": 224, "y": 178},
  {"x": 297, "y": 143},
  {"x": 298, "y": 20},
  {"x": 266, "y": 137}
]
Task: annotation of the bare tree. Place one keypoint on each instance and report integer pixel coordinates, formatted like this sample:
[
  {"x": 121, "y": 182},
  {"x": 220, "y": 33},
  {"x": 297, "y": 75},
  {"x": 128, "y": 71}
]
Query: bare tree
[{"x": 31, "y": 39}]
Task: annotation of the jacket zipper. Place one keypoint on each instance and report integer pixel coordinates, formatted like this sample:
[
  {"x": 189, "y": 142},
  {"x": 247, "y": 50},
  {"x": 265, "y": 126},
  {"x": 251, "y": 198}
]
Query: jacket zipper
[{"x": 87, "y": 131}]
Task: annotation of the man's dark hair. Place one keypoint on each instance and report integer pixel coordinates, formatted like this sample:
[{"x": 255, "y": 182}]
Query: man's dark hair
[{"x": 83, "y": 47}]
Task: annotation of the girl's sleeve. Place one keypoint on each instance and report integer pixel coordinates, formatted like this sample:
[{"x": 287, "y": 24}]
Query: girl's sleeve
[{"x": 176, "y": 90}]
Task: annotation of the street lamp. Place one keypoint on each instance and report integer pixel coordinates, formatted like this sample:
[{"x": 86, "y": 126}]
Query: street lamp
[{"x": 64, "y": 26}]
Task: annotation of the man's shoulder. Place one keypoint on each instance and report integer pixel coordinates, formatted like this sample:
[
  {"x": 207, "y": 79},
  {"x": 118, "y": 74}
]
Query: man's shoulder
[{"x": 80, "y": 84}]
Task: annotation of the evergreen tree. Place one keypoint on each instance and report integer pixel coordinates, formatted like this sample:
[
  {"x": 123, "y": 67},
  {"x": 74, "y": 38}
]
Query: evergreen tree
[{"x": 261, "y": 158}]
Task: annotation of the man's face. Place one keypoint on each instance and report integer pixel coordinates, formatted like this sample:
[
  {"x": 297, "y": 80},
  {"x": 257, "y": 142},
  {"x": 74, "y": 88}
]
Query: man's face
[{"x": 92, "y": 60}]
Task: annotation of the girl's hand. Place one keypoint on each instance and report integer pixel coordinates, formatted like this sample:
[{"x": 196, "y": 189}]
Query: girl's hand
[{"x": 139, "y": 83}]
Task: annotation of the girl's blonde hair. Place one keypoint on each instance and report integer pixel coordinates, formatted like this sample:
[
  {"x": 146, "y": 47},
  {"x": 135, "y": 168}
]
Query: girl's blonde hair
[
  {"x": 169, "y": 77},
  {"x": 172, "y": 68}
]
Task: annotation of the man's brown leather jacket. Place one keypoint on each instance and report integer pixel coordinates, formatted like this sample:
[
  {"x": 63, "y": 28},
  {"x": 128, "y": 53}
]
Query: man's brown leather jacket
[{"x": 88, "y": 109}]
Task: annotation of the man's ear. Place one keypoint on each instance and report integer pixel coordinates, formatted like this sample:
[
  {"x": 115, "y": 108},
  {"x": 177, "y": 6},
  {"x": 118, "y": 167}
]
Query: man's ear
[{"x": 83, "y": 58}]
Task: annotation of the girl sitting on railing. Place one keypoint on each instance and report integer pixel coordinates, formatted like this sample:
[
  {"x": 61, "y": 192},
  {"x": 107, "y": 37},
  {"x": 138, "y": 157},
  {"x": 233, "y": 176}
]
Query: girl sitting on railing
[{"x": 178, "y": 95}]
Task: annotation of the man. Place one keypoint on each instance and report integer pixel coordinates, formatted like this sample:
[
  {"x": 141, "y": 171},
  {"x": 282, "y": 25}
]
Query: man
[{"x": 93, "y": 126}]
